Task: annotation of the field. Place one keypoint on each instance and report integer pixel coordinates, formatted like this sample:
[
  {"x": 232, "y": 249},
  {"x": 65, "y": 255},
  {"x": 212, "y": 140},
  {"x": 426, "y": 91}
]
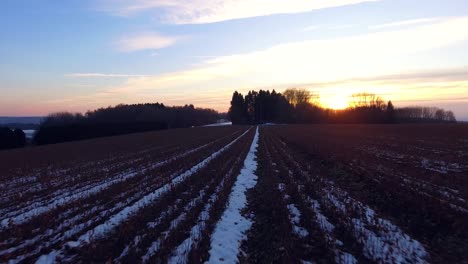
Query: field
[{"x": 272, "y": 193}]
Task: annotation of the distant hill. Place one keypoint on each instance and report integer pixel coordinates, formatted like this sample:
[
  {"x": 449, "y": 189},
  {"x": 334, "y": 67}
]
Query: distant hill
[
  {"x": 20, "y": 120},
  {"x": 27, "y": 122}
]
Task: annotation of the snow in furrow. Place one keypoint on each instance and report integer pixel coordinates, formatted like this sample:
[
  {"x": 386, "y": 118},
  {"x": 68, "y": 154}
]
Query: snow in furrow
[
  {"x": 66, "y": 230},
  {"x": 386, "y": 242},
  {"x": 327, "y": 228},
  {"x": 294, "y": 214},
  {"x": 106, "y": 227},
  {"x": 156, "y": 245},
  {"x": 383, "y": 241},
  {"x": 150, "y": 225},
  {"x": 60, "y": 193},
  {"x": 232, "y": 227},
  {"x": 35, "y": 209},
  {"x": 180, "y": 254},
  {"x": 18, "y": 182}
]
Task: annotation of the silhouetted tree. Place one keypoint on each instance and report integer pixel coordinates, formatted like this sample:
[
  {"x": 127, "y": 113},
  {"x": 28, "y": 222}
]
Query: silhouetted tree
[
  {"x": 121, "y": 119},
  {"x": 237, "y": 112},
  {"x": 391, "y": 118},
  {"x": 11, "y": 138},
  {"x": 450, "y": 116},
  {"x": 298, "y": 96},
  {"x": 416, "y": 114},
  {"x": 297, "y": 106}
]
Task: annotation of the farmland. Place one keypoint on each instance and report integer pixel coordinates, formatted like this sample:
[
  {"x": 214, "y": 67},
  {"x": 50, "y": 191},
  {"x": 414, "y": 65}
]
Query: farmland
[{"x": 273, "y": 193}]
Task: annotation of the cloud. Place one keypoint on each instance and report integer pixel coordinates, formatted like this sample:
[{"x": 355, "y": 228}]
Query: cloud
[
  {"x": 145, "y": 41},
  {"x": 372, "y": 54},
  {"x": 341, "y": 65},
  {"x": 101, "y": 75},
  {"x": 339, "y": 27},
  {"x": 407, "y": 86},
  {"x": 405, "y": 23},
  {"x": 209, "y": 11}
]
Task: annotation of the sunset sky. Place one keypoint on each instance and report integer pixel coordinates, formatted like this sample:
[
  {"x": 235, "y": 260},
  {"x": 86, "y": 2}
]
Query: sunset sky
[{"x": 75, "y": 55}]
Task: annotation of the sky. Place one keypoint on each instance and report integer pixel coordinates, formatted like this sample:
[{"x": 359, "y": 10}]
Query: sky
[{"x": 79, "y": 55}]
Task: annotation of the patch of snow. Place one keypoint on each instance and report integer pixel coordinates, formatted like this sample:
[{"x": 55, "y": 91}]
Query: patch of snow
[
  {"x": 29, "y": 133},
  {"x": 295, "y": 216},
  {"x": 156, "y": 245},
  {"x": 232, "y": 227},
  {"x": 219, "y": 124},
  {"x": 385, "y": 242},
  {"x": 327, "y": 228},
  {"x": 47, "y": 259},
  {"x": 180, "y": 254}
]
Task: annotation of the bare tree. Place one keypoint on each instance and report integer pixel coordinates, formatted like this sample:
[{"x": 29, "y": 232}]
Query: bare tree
[
  {"x": 450, "y": 116},
  {"x": 299, "y": 96},
  {"x": 440, "y": 115},
  {"x": 367, "y": 100}
]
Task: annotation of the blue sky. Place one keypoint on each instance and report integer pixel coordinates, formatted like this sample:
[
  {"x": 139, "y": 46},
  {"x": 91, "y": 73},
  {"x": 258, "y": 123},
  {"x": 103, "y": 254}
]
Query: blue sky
[{"x": 78, "y": 55}]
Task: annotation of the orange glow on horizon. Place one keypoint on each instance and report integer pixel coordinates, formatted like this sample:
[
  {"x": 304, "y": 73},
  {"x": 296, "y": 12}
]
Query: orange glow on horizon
[{"x": 336, "y": 102}]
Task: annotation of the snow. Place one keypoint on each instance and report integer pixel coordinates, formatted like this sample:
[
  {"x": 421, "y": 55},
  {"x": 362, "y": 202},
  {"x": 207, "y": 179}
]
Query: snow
[
  {"x": 47, "y": 259},
  {"x": 384, "y": 243},
  {"x": 180, "y": 254},
  {"x": 295, "y": 216},
  {"x": 38, "y": 208},
  {"x": 327, "y": 228},
  {"x": 29, "y": 133},
  {"x": 440, "y": 166},
  {"x": 156, "y": 245},
  {"x": 219, "y": 124},
  {"x": 232, "y": 227},
  {"x": 322, "y": 220},
  {"x": 118, "y": 218}
]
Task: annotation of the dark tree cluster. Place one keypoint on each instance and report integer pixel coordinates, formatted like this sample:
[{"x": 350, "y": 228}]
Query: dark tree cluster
[
  {"x": 366, "y": 108},
  {"x": 301, "y": 106},
  {"x": 425, "y": 114},
  {"x": 259, "y": 107},
  {"x": 11, "y": 138},
  {"x": 121, "y": 119}
]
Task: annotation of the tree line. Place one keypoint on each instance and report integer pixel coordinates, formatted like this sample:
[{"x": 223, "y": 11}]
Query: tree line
[
  {"x": 11, "y": 138},
  {"x": 120, "y": 119},
  {"x": 301, "y": 106}
]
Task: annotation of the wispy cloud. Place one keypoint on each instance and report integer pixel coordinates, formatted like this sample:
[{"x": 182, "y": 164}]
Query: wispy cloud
[
  {"x": 208, "y": 11},
  {"x": 145, "y": 41},
  {"x": 315, "y": 60},
  {"x": 357, "y": 60},
  {"x": 339, "y": 27},
  {"x": 101, "y": 75},
  {"x": 405, "y": 23}
]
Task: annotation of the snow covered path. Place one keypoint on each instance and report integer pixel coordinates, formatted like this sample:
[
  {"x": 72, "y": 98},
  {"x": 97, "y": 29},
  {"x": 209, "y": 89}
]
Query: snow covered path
[{"x": 232, "y": 227}]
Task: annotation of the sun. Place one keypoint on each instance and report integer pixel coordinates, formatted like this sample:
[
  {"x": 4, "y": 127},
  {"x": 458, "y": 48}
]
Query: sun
[{"x": 336, "y": 102}]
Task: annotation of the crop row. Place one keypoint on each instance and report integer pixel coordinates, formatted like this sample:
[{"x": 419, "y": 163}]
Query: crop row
[
  {"x": 402, "y": 206},
  {"x": 325, "y": 221},
  {"x": 82, "y": 217}
]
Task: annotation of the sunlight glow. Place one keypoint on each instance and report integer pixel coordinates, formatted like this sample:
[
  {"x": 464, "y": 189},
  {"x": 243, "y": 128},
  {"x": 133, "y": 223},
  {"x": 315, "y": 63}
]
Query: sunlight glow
[{"x": 336, "y": 102}]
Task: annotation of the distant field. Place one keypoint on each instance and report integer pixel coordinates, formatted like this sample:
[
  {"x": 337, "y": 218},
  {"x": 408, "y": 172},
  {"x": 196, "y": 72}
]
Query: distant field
[
  {"x": 320, "y": 193},
  {"x": 379, "y": 193}
]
